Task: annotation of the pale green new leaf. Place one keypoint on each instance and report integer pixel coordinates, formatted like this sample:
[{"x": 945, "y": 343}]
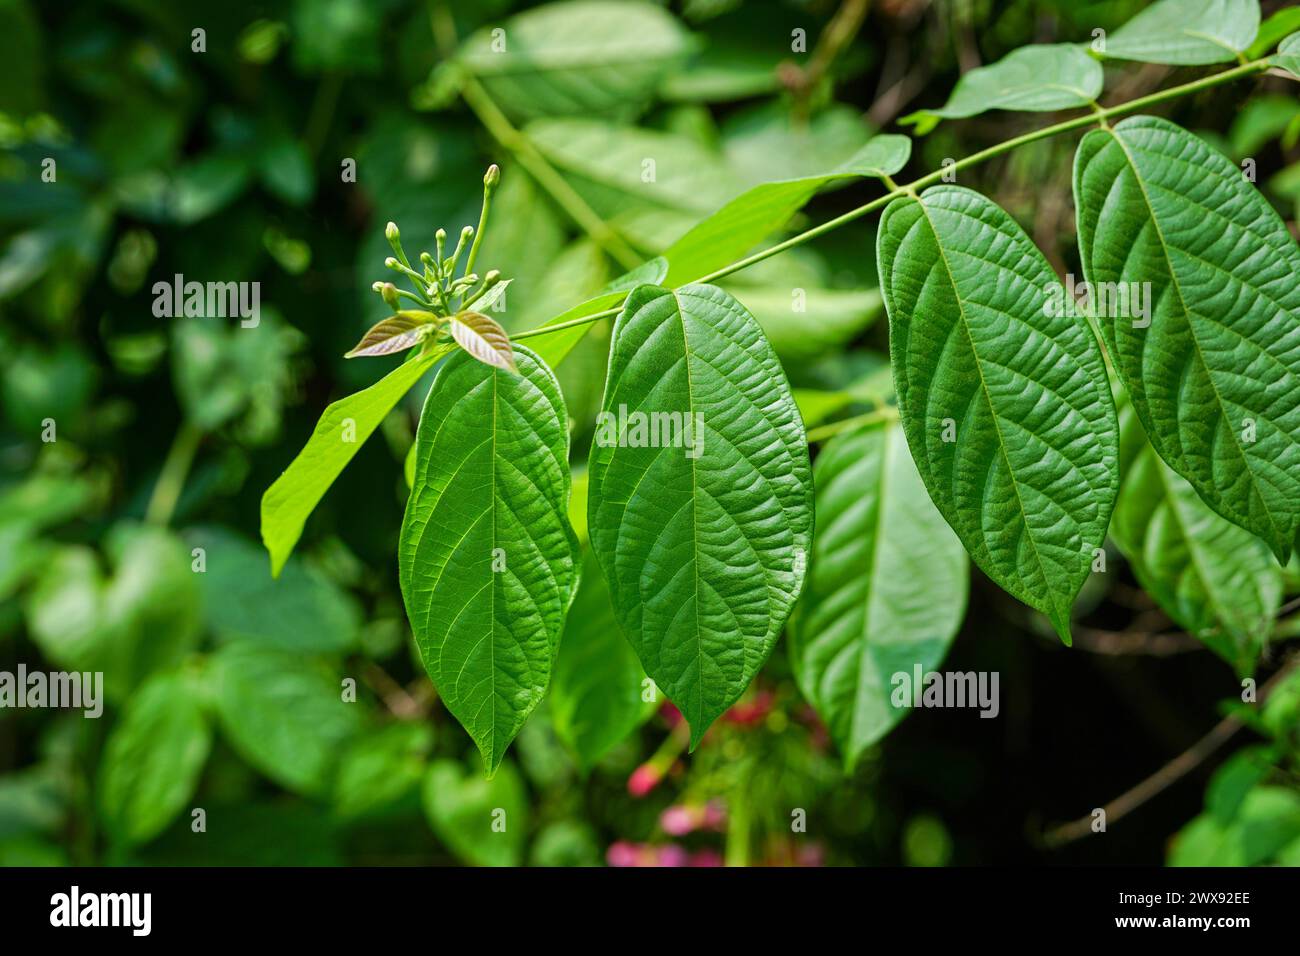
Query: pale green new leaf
[
  {"x": 284, "y": 714},
  {"x": 488, "y": 560},
  {"x": 1288, "y": 55},
  {"x": 750, "y": 218},
  {"x": 1187, "y": 32},
  {"x": 153, "y": 758},
  {"x": 577, "y": 59},
  {"x": 1212, "y": 577},
  {"x": 886, "y": 587},
  {"x": 597, "y": 697},
  {"x": 1042, "y": 78},
  {"x": 701, "y": 527},
  {"x": 1006, "y": 405},
  {"x": 343, "y": 428},
  {"x": 483, "y": 822},
  {"x": 1215, "y": 376}
]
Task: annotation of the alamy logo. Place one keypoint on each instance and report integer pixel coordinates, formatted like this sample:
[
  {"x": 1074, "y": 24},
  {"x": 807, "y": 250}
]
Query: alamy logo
[
  {"x": 208, "y": 300},
  {"x": 639, "y": 429},
  {"x": 59, "y": 689},
  {"x": 75, "y": 908},
  {"x": 1115, "y": 300},
  {"x": 951, "y": 689}
]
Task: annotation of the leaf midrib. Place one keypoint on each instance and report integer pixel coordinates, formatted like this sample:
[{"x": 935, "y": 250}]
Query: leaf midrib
[
  {"x": 997, "y": 427},
  {"x": 1176, "y": 282}
]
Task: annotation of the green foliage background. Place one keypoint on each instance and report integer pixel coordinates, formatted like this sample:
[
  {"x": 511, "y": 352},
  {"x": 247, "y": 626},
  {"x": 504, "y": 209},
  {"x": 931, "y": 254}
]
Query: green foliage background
[{"x": 223, "y": 687}]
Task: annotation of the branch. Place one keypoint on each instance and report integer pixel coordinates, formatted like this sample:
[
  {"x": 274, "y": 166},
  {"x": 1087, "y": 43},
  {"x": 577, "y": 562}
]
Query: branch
[{"x": 1170, "y": 773}]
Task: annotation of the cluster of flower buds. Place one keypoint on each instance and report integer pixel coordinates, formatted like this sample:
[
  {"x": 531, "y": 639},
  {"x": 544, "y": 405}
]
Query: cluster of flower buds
[{"x": 435, "y": 286}]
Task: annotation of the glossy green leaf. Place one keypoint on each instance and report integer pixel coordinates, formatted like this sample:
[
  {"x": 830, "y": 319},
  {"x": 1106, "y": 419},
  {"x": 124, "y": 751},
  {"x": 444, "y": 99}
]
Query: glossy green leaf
[
  {"x": 1213, "y": 365},
  {"x": 701, "y": 515},
  {"x": 483, "y": 822},
  {"x": 284, "y": 714},
  {"x": 1187, "y": 32},
  {"x": 598, "y": 695},
  {"x": 1210, "y": 576},
  {"x": 1006, "y": 405},
  {"x": 1042, "y": 78},
  {"x": 342, "y": 429},
  {"x": 751, "y": 217},
  {"x": 1288, "y": 55},
  {"x": 577, "y": 59},
  {"x": 488, "y": 560},
  {"x": 886, "y": 586},
  {"x": 153, "y": 758},
  {"x": 301, "y": 611}
]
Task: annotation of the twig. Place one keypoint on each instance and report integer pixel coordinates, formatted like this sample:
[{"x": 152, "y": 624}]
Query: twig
[{"x": 1166, "y": 776}]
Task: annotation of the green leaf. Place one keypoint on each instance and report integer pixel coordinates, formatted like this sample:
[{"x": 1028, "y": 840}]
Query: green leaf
[
  {"x": 1273, "y": 30},
  {"x": 1266, "y": 825},
  {"x": 394, "y": 334},
  {"x": 1006, "y": 406},
  {"x": 703, "y": 544},
  {"x": 820, "y": 321},
  {"x": 284, "y": 714},
  {"x": 141, "y": 618},
  {"x": 597, "y": 694},
  {"x": 1214, "y": 579},
  {"x": 1215, "y": 378},
  {"x": 483, "y": 822},
  {"x": 302, "y": 611},
  {"x": 342, "y": 428},
  {"x": 1288, "y": 55},
  {"x": 886, "y": 587},
  {"x": 577, "y": 59},
  {"x": 768, "y": 142},
  {"x": 487, "y": 557},
  {"x": 751, "y": 217},
  {"x": 1187, "y": 32},
  {"x": 650, "y": 187},
  {"x": 1053, "y": 76},
  {"x": 482, "y": 338},
  {"x": 153, "y": 758},
  {"x": 382, "y": 768}
]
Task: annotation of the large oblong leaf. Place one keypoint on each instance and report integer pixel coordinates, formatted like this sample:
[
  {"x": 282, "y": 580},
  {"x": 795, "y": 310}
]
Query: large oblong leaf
[
  {"x": 343, "y": 428},
  {"x": 1213, "y": 366},
  {"x": 1187, "y": 32},
  {"x": 487, "y": 557},
  {"x": 1040, "y": 78},
  {"x": 1004, "y": 399},
  {"x": 703, "y": 542},
  {"x": 1212, "y": 577},
  {"x": 886, "y": 586},
  {"x": 153, "y": 758},
  {"x": 599, "y": 694},
  {"x": 577, "y": 59}
]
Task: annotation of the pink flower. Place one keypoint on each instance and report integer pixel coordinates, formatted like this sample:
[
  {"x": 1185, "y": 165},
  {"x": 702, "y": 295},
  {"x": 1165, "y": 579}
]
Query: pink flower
[
  {"x": 679, "y": 820},
  {"x": 673, "y": 855},
  {"x": 622, "y": 853},
  {"x": 644, "y": 779},
  {"x": 706, "y": 857}
]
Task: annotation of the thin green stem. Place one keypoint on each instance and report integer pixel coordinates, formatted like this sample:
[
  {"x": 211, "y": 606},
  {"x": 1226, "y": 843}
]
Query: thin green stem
[
  {"x": 823, "y": 432},
  {"x": 1079, "y": 122},
  {"x": 531, "y": 160},
  {"x": 171, "y": 479}
]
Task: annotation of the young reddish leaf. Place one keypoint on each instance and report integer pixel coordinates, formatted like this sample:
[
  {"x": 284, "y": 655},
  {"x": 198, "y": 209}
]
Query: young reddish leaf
[
  {"x": 482, "y": 338},
  {"x": 395, "y": 333}
]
